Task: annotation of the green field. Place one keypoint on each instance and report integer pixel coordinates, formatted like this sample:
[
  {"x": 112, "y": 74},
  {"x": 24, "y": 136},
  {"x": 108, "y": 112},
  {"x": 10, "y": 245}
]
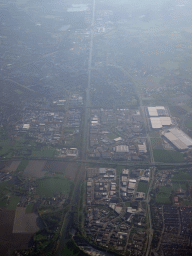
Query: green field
[
  {"x": 156, "y": 143},
  {"x": 44, "y": 152},
  {"x": 4, "y": 147},
  {"x": 52, "y": 186},
  {"x": 188, "y": 124},
  {"x": 182, "y": 176},
  {"x": 68, "y": 252},
  {"x": 143, "y": 187},
  {"x": 163, "y": 195},
  {"x": 13, "y": 203},
  {"x": 112, "y": 136},
  {"x": 178, "y": 185},
  {"x": 29, "y": 207},
  {"x": 167, "y": 156},
  {"x": 22, "y": 166}
]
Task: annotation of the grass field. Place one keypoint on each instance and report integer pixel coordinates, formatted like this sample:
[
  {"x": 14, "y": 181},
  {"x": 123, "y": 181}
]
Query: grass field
[
  {"x": 13, "y": 203},
  {"x": 156, "y": 143},
  {"x": 143, "y": 187},
  {"x": 53, "y": 186},
  {"x": 4, "y": 147},
  {"x": 163, "y": 196},
  {"x": 67, "y": 252},
  {"x": 182, "y": 176},
  {"x": 44, "y": 152},
  {"x": 188, "y": 124},
  {"x": 167, "y": 156},
  {"x": 112, "y": 136},
  {"x": 22, "y": 166},
  {"x": 29, "y": 208},
  {"x": 178, "y": 185}
]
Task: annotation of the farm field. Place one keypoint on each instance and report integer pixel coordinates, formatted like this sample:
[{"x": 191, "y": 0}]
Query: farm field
[
  {"x": 13, "y": 203},
  {"x": 22, "y": 165},
  {"x": 25, "y": 223},
  {"x": 52, "y": 186},
  {"x": 13, "y": 166},
  {"x": 68, "y": 169},
  {"x": 167, "y": 156},
  {"x": 8, "y": 240},
  {"x": 35, "y": 169}
]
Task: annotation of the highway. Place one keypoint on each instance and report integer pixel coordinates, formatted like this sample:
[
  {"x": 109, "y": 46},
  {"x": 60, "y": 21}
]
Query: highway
[{"x": 85, "y": 140}]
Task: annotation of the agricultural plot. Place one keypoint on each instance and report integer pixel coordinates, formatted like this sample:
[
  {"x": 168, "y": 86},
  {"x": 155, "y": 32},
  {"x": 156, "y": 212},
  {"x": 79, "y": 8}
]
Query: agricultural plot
[
  {"x": 12, "y": 167},
  {"x": 167, "y": 156},
  {"x": 13, "y": 203},
  {"x": 25, "y": 223},
  {"x": 53, "y": 186},
  {"x": 8, "y": 240},
  {"x": 22, "y": 165},
  {"x": 69, "y": 170},
  {"x": 35, "y": 169}
]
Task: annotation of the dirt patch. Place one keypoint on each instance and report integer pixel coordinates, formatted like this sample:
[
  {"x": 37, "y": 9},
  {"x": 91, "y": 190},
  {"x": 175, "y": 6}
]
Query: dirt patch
[
  {"x": 13, "y": 166},
  {"x": 8, "y": 240},
  {"x": 35, "y": 169},
  {"x": 25, "y": 223},
  {"x": 66, "y": 168}
]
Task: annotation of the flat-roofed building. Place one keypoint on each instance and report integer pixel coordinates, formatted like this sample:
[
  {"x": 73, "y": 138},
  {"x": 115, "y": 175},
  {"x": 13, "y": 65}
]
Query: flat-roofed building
[
  {"x": 178, "y": 139},
  {"x": 157, "y": 111},
  {"x": 142, "y": 148},
  {"x": 160, "y": 122},
  {"x": 122, "y": 149},
  {"x": 26, "y": 126}
]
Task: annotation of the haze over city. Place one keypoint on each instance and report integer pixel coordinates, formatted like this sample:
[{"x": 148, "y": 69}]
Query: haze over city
[{"x": 95, "y": 127}]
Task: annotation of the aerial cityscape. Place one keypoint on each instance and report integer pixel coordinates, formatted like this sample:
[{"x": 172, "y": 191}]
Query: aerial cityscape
[{"x": 95, "y": 127}]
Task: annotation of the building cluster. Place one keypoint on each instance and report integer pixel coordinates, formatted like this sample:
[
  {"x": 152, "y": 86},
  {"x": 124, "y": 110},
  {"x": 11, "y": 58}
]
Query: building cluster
[
  {"x": 44, "y": 126},
  {"x": 109, "y": 220},
  {"x": 129, "y": 183},
  {"x": 172, "y": 230},
  {"x": 122, "y": 141},
  {"x": 109, "y": 229},
  {"x": 101, "y": 185}
]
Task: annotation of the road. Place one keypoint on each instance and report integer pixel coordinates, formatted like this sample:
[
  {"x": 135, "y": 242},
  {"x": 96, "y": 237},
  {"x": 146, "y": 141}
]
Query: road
[
  {"x": 150, "y": 236},
  {"x": 85, "y": 140}
]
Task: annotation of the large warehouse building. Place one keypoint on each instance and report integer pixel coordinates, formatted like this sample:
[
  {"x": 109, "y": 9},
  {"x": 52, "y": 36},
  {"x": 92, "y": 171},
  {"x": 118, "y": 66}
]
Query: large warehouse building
[
  {"x": 157, "y": 111},
  {"x": 178, "y": 139},
  {"x": 159, "y": 117}
]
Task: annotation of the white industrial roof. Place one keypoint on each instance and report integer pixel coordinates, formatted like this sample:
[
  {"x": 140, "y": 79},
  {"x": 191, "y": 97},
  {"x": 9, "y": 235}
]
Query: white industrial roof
[
  {"x": 26, "y": 126},
  {"x": 165, "y": 120},
  {"x": 122, "y": 148},
  {"x": 178, "y": 138},
  {"x": 182, "y": 136},
  {"x": 142, "y": 148},
  {"x": 155, "y": 123},
  {"x": 159, "y": 122},
  {"x": 153, "y": 110}
]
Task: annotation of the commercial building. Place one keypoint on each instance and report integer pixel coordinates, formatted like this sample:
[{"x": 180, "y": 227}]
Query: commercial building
[
  {"x": 122, "y": 149},
  {"x": 160, "y": 122},
  {"x": 180, "y": 140},
  {"x": 157, "y": 111}
]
